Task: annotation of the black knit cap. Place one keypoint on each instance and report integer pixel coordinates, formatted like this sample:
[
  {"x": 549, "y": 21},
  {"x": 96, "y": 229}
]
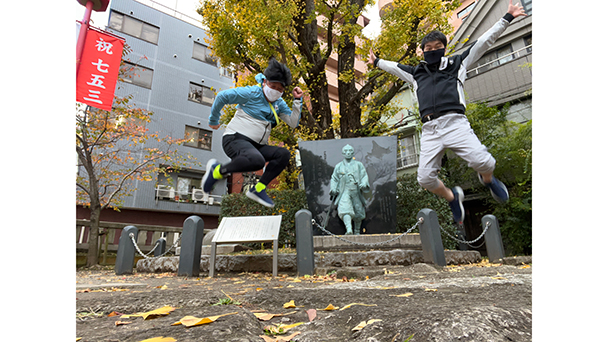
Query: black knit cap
[{"x": 278, "y": 72}]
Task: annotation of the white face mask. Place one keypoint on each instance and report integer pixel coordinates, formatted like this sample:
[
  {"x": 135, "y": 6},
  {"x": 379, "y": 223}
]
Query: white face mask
[{"x": 271, "y": 94}]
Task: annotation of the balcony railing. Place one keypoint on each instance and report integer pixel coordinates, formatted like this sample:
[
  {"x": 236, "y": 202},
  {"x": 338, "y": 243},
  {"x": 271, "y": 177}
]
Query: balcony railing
[
  {"x": 496, "y": 62},
  {"x": 168, "y": 193}
]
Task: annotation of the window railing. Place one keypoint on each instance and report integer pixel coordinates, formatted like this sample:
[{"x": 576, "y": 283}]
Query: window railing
[
  {"x": 168, "y": 193},
  {"x": 513, "y": 55},
  {"x": 407, "y": 161}
]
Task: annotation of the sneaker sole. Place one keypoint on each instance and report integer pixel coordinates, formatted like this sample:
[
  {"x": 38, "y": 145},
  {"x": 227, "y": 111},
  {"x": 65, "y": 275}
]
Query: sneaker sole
[
  {"x": 460, "y": 199},
  {"x": 250, "y": 195},
  {"x": 207, "y": 174}
]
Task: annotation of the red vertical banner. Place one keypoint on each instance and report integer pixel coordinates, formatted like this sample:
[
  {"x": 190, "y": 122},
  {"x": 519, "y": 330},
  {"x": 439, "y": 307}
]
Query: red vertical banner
[{"x": 98, "y": 70}]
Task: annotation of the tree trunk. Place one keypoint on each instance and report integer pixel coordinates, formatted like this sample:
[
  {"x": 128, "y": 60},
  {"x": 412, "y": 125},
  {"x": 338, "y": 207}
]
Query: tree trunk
[
  {"x": 319, "y": 117},
  {"x": 92, "y": 254},
  {"x": 350, "y": 108}
]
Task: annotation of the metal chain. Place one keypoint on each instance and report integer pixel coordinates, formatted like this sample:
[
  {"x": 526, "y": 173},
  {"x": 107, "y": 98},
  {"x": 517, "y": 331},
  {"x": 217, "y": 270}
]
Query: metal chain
[
  {"x": 468, "y": 242},
  {"x": 371, "y": 244},
  {"x": 132, "y": 236}
]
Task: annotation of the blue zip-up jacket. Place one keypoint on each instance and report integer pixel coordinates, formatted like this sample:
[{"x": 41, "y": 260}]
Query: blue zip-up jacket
[{"x": 253, "y": 118}]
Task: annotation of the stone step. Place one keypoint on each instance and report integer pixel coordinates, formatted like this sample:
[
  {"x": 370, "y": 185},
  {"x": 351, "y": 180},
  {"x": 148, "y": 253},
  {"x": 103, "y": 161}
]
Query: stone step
[{"x": 323, "y": 261}]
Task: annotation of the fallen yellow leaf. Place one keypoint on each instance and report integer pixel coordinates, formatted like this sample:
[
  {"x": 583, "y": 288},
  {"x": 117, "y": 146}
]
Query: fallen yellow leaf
[
  {"x": 363, "y": 324},
  {"x": 165, "y": 310},
  {"x": 160, "y": 339},
  {"x": 289, "y": 305},
  {"x": 330, "y": 307},
  {"x": 353, "y": 304},
  {"x": 498, "y": 277},
  {"x": 279, "y": 338},
  {"x": 268, "y": 316},
  {"x": 191, "y": 321},
  {"x": 404, "y": 295},
  {"x": 430, "y": 290}
]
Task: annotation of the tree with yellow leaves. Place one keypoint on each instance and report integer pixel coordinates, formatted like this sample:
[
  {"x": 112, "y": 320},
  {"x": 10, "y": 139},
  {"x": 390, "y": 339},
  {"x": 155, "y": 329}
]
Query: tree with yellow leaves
[
  {"x": 114, "y": 149},
  {"x": 304, "y": 34}
]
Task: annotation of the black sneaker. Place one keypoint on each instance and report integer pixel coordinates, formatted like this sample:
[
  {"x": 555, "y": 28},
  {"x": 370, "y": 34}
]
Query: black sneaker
[
  {"x": 497, "y": 189},
  {"x": 456, "y": 204}
]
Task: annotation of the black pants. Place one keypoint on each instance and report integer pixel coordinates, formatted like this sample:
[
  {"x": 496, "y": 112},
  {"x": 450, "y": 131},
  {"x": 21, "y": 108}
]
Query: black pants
[{"x": 249, "y": 156}]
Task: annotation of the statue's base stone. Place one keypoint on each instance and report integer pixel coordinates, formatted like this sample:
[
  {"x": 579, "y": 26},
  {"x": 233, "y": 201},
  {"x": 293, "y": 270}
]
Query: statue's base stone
[
  {"x": 323, "y": 261},
  {"x": 332, "y": 243}
]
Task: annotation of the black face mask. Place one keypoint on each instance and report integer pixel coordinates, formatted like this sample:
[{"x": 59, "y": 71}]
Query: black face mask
[{"x": 434, "y": 57}]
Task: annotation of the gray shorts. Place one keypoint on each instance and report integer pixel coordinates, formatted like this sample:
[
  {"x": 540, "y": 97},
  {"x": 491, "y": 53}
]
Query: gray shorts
[{"x": 451, "y": 131}]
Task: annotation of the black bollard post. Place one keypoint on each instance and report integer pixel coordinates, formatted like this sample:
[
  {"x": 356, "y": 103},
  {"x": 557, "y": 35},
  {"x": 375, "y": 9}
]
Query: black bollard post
[
  {"x": 191, "y": 245},
  {"x": 430, "y": 235},
  {"x": 305, "y": 251},
  {"x": 493, "y": 238},
  {"x": 125, "y": 256},
  {"x": 160, "y": 248}
]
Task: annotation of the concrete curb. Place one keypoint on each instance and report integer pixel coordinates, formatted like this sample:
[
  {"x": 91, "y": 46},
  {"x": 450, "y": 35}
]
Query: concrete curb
[{"x": 287, "y": 262}]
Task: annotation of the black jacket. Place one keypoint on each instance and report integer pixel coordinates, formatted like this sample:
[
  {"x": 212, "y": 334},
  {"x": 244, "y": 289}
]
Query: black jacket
[{"x": 439, "y": 88}]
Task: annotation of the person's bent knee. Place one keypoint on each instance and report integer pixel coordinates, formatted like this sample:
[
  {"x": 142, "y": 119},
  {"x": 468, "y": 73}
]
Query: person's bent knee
[
  {"x": 428, "y": 183},
  {"x": 484, "y": 165}
]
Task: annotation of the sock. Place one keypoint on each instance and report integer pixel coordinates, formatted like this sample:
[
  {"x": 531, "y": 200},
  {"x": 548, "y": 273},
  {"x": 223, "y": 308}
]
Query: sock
[
  {"x": 216, "y": 172},
  {"x": 260, "y": 187}
]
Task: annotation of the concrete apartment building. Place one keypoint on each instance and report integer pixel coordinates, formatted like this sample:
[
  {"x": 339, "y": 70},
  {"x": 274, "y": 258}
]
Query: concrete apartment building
[{"x": 175, "y": 82}]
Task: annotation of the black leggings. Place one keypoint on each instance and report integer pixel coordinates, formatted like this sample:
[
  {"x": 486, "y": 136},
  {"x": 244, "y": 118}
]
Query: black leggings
[{"x": 248, "y": 156}]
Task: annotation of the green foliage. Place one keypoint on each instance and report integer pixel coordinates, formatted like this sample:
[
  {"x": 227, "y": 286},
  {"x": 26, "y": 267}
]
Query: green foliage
[
  {"x": 411, "y": 198},
  {"x": 286, "y": 203},
  {"x": 511, "y": 145}
]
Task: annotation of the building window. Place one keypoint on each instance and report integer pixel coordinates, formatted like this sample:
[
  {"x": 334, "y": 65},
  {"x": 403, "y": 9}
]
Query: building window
[
  {"x": 199, "y": 138},
  {"x": 495, "y": 58},
  {"x": 180, "y": 186},
  {"x": 527, "y": 5},
  {"x": 201, "y": 94},
  {"x": 138, "y": 75},
  {"x": 203, "y": 53},
  {"x": 134, "y": 27},
  {"x": 227, "y": 72},
  {"x": 465, "y": 11},
  {"x": 407, "y": 155},
  {"x": 528, "y": 43}
]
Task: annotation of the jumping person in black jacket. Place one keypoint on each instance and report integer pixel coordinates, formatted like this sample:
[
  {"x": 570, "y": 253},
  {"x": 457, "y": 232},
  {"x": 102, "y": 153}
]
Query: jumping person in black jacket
[{"x": 438, "y": 83}]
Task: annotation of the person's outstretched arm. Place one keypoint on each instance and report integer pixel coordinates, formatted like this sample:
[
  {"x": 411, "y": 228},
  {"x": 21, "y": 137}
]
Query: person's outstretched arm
[
  {"x": 402, "y": 71},
  {"x": 474, "y": 53}
]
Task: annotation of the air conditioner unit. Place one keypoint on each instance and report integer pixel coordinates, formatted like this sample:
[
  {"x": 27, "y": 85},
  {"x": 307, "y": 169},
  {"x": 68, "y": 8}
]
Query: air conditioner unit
[
  {"x": 165, "y": 191},
  {"x": 198, "y": 195}
]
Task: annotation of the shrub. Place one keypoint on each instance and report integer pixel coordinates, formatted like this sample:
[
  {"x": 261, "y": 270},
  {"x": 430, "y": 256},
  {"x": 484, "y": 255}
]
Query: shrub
[
  {"x": 286, "y": 203},
  {"x": 411, "y": 198}
]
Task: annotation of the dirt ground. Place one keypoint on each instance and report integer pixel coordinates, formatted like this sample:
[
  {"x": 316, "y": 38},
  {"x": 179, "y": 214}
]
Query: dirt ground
[{"x": 479, "y": 302}]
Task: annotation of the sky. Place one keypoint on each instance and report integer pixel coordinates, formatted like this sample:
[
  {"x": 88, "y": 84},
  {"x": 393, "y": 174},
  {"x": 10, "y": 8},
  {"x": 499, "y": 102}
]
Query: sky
[{"x": 188, "y": 7}]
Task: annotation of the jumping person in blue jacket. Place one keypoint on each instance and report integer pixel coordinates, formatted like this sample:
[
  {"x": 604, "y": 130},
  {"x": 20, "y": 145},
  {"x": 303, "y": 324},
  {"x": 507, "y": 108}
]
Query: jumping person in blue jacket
[
  {"x": 438, "y": 83},
  {"x": 245, "y": 139}
]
